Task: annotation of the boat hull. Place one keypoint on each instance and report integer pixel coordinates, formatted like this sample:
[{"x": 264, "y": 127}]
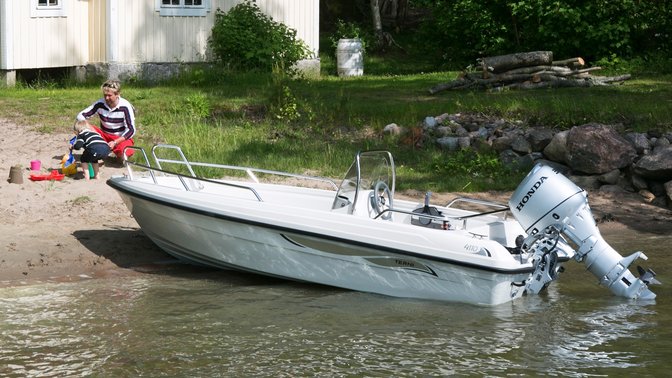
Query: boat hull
[{"x": 223, "y": 240}]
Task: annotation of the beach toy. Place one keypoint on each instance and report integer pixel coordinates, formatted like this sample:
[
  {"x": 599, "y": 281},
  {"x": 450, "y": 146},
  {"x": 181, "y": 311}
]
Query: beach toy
[
  {"x": 68, "y": 164},
  {"x": 35, "y": 165},
  {"x": 53, "y": 175},
  {"x": 16, "y": 174},
  {"x": 92, "y": 174}
]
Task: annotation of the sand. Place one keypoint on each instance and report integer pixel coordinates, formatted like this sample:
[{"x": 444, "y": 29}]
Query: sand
[
  {"x": 62, "y": 230},
  {"x": 77, "y": 229}
]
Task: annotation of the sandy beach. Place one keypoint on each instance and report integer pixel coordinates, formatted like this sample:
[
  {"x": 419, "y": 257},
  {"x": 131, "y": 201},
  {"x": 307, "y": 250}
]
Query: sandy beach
[
  {"x": 62, "y": 230},
  {"x": 75, "y": 229}
]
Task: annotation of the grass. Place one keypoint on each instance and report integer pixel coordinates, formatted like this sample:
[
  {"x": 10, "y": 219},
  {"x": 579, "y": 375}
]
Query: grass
[{"x": 224, "y": 117}]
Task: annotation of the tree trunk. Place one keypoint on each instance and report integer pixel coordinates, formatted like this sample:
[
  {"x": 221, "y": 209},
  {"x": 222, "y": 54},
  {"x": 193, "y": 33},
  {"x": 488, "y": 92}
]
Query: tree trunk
[
  {"x": 377, "y": 22},
  {"x": 502, "y": 63}
]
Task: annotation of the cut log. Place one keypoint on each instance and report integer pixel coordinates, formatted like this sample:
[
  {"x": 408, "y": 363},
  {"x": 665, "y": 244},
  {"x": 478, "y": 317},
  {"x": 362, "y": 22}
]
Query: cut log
[
  {"x": 604, "y": 80},
  {"x": 585, "y": 70},
  {"x": 571, "y": 62},
  {"x": 449, "y": 85},
  {"x": 562, "y": 83},
  {"x": 502, "y": 63},
  {"x": 527, "y": 71}
]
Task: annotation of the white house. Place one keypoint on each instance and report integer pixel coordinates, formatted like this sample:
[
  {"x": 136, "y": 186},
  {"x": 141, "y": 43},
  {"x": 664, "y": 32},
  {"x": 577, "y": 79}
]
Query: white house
[{"x": 118, "y": 38}]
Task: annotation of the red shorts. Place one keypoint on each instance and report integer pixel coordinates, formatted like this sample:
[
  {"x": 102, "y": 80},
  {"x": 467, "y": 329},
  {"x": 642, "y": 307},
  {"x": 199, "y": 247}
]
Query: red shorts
[{"x": 118, "y": 148}]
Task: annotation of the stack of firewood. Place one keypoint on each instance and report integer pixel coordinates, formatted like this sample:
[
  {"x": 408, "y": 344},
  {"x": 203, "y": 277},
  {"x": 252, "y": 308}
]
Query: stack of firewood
[{"x": 528, "y": 70}]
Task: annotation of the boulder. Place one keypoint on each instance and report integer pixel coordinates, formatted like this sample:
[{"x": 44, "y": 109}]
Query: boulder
[
  {"x": 656, "y": 165},
  {"x": 539, "y": 138},
  {"x": 595, "y": 149},
  {"x": 449, "y": 143},
  {"x": 521, "y": 145},
  {"x": 556, "y": 150},
  {"x": 639, "y": 141}
]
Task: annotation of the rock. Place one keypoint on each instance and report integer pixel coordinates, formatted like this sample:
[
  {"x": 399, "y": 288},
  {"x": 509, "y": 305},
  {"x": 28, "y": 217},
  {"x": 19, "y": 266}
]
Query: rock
[
  {"x": 656, "y": 165},
  {"x": 503, "y": 143},
  {"x": 464, "y": 142},
  {"x": 521, "y": 145},
  {"x": 461, "y": 131},
  {"x": 639, "y": 141},
  {"x": 647, "y": 196},
  {"x": 539, "y": 138},
  {"x": 638, "y": 182},
  {"x": 611, "y": 189},
  {"x": 668, "y": 191},
  {"x": 441, "y": 119},
  {"x": 556, "y": 150},
  {"x": 392, "y": 129},
  {"x": 448, "y": 143},
  {"x": 442, "y": 131},
  {"x": 661, "y": 144},
  {"x": 610, "y": 178},
  {"x": 585, "y": 182},
  {"x": 596, "y": 149},
  {"x": 509, "y": 158},
  {"x": 481, "y": 145},
  {"x": 430, "y": 123}
]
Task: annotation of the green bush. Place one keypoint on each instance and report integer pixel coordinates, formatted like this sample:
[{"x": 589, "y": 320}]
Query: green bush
[
  {"x": 244, "y": 38},
  {"x": 348, "y": 30}
]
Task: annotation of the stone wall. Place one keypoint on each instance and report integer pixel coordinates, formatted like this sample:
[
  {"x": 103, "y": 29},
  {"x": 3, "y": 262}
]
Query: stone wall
[{"x": 593, "y": 155}]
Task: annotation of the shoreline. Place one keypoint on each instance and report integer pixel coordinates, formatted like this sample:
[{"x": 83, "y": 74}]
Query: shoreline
[{"x": 73, "y": 229}]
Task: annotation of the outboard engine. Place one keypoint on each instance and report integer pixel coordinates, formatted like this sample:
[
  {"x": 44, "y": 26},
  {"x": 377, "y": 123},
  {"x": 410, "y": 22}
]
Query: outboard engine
[{"x": 548, "y": 202}]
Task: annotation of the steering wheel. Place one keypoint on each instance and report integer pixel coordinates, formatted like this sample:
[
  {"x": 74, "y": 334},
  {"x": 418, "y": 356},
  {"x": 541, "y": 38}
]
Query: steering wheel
[{"x": 381, "y": 199}]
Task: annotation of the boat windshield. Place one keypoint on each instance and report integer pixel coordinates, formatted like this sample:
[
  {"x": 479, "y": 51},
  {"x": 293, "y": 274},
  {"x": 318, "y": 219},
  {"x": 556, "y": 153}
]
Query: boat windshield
[{"x": 368, "y": 169}]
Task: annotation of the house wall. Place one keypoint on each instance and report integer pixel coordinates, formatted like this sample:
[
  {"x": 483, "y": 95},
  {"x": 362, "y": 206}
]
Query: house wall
[
  {"x": 97, "y": 46},
  {"x": 118, "y": 38},
  {"x": 146, "y": 36},
  {"x": 42, "y": 42}
]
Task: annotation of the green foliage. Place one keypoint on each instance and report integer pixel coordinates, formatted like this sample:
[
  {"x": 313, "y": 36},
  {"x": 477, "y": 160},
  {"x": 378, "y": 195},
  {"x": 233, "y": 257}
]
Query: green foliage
[
  {"x": 197, "y": 106},
  {"x": 245, "y": 38},
  {"x": 482, "y": 170},
  {"x": 468, "y": 29},
  {"x": 348, "y": 30},
  {"x": 282, "y": 103}
]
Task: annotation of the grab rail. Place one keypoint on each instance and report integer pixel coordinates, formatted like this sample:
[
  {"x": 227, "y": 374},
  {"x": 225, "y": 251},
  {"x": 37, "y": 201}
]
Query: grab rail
[
  {"x": 192, "y": 175},
  {"x": 250, "y": 171},
  {"x": 182, "y": 177}
]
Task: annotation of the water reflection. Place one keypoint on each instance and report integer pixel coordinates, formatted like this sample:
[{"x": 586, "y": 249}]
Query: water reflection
[{"x": 205, "y": 323}]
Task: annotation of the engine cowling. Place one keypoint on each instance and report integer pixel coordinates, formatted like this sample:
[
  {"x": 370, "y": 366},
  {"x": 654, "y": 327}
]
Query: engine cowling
[{"x": 546, "y": 198}]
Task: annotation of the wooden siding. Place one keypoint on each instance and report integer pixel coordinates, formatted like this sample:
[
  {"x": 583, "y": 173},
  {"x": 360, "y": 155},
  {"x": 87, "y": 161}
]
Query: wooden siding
[
  {"x": 97, "y": 46},
  {"x": 143, "y": 35},
  {"x": 45, "y": 42},
  {"x": 146, "y": 36}
]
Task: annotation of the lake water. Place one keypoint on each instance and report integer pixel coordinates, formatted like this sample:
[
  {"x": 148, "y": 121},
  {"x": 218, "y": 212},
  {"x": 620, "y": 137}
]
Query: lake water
[{"x": 192, "y": 322}]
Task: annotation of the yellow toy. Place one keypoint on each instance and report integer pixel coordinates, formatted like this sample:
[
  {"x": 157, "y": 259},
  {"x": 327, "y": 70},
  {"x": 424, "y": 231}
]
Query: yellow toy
[{"x": 68, "y": 164}]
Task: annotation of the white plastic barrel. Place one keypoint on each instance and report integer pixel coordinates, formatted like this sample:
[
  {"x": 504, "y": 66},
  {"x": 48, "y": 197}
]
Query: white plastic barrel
[{"x": 349, "y": 57}]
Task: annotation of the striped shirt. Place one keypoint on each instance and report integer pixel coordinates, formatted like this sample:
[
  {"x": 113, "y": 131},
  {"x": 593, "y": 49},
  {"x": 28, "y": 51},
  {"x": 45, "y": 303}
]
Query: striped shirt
[
  {"x": 87, "y": 139},
  {"x": 119, "y": 121}
]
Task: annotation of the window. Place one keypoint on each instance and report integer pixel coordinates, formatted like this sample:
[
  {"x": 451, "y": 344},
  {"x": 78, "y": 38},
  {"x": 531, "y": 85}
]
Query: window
[
  {"x": 47, "y": 8},
  {"x": 183, "y": 7}
]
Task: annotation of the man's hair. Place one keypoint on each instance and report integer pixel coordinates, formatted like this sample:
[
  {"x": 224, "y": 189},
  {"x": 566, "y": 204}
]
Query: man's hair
[{"x": 115, "y": 85}]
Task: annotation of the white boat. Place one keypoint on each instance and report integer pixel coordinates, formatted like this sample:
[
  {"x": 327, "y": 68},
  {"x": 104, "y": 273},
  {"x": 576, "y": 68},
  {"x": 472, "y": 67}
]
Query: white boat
[{"x": 358, "y": 236}]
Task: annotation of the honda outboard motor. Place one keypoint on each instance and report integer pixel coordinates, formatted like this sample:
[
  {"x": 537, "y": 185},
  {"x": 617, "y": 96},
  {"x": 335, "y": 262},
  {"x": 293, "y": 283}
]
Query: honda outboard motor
[{"x": 547, "y": 200}]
